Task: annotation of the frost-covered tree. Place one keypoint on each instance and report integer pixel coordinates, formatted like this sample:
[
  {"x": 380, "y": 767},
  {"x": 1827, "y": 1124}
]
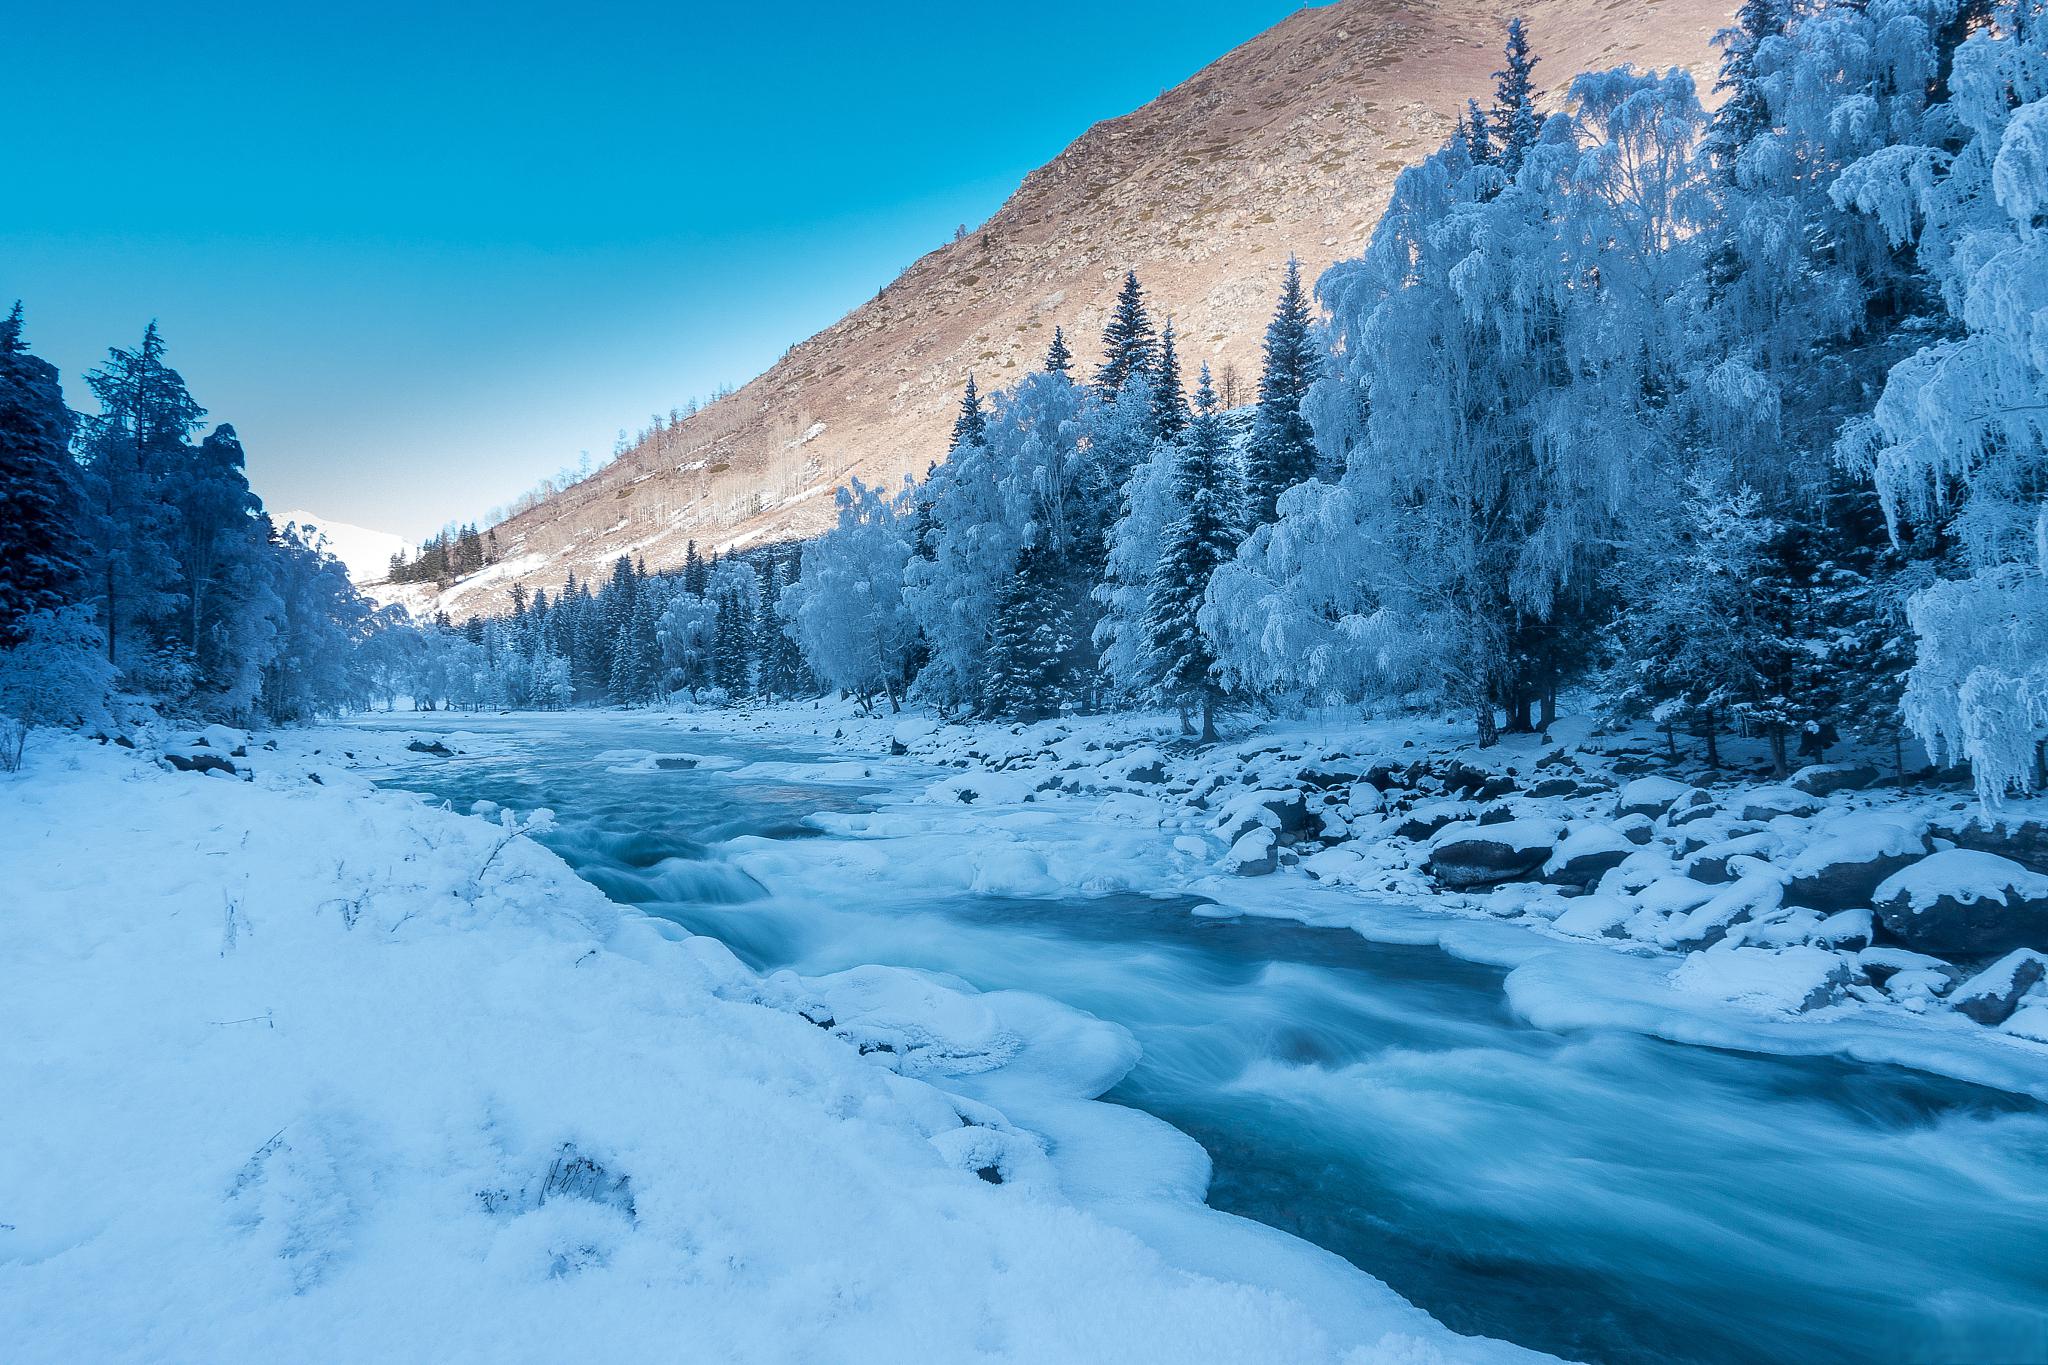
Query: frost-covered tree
[
  {"x": 1961, "y": 429},
  {"x": 1033, "y": 480},
  {"x": 1130, "y": 346},
  {"x": 1198, "y": 540},
  {"x": 54, "y": 672},
  {"x": 41, "y": 551},
  {"x": 686, "y": 631},
  {"x": 1282, "y": 449},
  {"x": 848, "y": 609},
  {"x": 132, "y": 448}
]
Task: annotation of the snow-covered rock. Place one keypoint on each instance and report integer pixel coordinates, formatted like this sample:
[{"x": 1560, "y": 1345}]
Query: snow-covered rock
[
  {"x": 1253, "y": 854},
  {"x": 1825, "y": 779},
  {"x": 1469, "y": 853},
  {"x": 1787, "y": 980},
  {"x": 1587, "y": 852},
  {"x": 1651, "y": 796},
  {"x": 1842, "y": 869},
  {"x": 1991, "y": 996},
  {"x": 1962, "y": 901}
]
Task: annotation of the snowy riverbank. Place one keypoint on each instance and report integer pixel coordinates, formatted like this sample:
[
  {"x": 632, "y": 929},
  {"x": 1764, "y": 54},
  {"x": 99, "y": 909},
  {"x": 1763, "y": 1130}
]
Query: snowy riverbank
[
  {"x": 299, "y": 1068},
  {"x": 1830, "y": 915}
]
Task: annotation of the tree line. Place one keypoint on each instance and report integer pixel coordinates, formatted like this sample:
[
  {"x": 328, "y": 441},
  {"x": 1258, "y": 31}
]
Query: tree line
[
  {"x": 135, "y": 559},
  {"x": 1734, "y": 419}
]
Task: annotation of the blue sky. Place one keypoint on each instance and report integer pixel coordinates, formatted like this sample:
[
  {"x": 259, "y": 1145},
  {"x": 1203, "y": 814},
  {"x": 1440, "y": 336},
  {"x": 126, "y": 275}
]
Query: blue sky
[{"x": 421, "y": 255}]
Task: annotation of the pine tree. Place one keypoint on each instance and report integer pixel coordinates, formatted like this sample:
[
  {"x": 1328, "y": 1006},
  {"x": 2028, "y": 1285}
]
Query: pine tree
[
  {"x": 1032, "y": 642},
  {"x": 134, "y": 447},
  {"x": 41, "y": 550},
  {"x": 1130, "y": 348},
  {"x": 1478, "y": 134},
  {"x": 1058, "y": 359},
  {"x": 1200, "y": 539},
  {"x": 1746, "y": 112},
  {"x": 732, "y": 656},
  {"x": 970, "y": 428},
  {"x": 1515, "y": 119},
  {"x": 1169, "y": 403},
  {"x": 695, "y": 574},
  {"x": 1282, "y": 450}
]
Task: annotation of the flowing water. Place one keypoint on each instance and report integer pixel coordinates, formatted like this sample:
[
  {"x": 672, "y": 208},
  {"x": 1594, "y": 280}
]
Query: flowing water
[{"x": 1603, "y": 1196}]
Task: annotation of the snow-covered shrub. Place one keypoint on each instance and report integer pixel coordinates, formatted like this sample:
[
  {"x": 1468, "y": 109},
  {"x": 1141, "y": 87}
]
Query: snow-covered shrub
[{"x": 57, "y": 675}]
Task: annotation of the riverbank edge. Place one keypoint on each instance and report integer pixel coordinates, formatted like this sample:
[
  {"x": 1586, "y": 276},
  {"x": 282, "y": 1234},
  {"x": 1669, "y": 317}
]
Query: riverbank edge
[
  {"x": 1760, "y": 972},
  {"x": 305, "y": 903}
]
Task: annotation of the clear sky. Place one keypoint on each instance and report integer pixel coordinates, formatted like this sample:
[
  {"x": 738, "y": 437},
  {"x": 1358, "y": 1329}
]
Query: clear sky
[{"x": 423, "y": 254}]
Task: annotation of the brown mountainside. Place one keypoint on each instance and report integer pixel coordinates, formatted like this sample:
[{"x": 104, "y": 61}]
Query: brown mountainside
[{"x": 1289, "y": 143}]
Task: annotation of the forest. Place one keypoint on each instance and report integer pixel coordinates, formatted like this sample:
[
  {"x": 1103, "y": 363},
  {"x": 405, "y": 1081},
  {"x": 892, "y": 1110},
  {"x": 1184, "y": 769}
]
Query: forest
[{"x": 1730, "y": 420}]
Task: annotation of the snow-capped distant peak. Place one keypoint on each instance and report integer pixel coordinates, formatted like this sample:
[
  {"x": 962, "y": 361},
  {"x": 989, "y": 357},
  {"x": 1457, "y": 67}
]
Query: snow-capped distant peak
[{"x": 366, "y": 554}]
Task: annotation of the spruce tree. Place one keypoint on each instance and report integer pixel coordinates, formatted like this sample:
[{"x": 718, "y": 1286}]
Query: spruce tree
[
  {"x": 971, "y": 426},
  {"x": 694, "y": 572},
  {"x": 134, "y": 447},
  {"x": 732, "y": 653},
  {"x": 1282, "y": 450},
  {"x": 1032, "y": 642},
  {"x": 42, "y": 553},
  {"x": 1169, "y": 403},
  {"x": 1478, "y": 134},
  {"x": 1203, "y": 536},
  {"x": 1745, "y": 112},
  {"x": 1515, "y": 120},
  {"x": 1058, "y": 359},
  {"x": 1130, "y": 348}
]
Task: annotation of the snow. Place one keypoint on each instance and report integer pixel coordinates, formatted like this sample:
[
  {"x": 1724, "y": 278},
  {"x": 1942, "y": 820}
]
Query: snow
[
  {"x": 366, "y": 554},
  {"x": 1789, "y": 980},
  {"x": 1964, "y": 876},
  {"x": 348, "y": 1068}
]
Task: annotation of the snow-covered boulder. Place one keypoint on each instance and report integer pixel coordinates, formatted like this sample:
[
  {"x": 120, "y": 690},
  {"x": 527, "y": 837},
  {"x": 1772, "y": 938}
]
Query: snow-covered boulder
[
  {"x": 1993, "y": 994},
  {"x": 1586, "y": 853},
  {"x": 1843, "y": 869},
  {"x": 1711, "y": 862},
  {"x": 1751, "y": 897},
  {"x": 1469, "y": 854},
  {"x": 2023, "y": 841},
  {"x": 1962, "y": 901},
  {"x": 1651, "y": 796},
  {"x": 1768, "y": 803},
  {"x": 1825, "y": 779},
  {"x": 1254, "y": 854},
  {"x": 1848, "y": 930},
  {"x": 1784, "y": 980},
  {"x": 1283, "y": 812},
  {"x": 1597, "y": 916}
]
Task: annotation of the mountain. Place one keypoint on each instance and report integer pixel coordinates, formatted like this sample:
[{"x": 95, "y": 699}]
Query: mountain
[
  {"x": 365, "y": 553},
  {"x": 1287, "y": 144}
]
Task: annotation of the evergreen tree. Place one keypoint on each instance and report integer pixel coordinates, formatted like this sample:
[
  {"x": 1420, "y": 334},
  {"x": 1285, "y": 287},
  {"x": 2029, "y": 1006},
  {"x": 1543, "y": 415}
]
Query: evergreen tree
[
  {"x": 1515, "y": 122},
  {"x": 1478, "y": 134},
  {"x": 732, "y": 656},
  {"x": 41, "y": 550},
  {"x": 970, "y": 428},
  {"x": 1746, "y": 111},
  {"x": 133, "y": 448},
  {"x": 227, "y": 625},
  {"x": 1169, "y": 402},
  {"x": 1032, "y": 642},
  {"x": 1282, "y": 449},
  {"x": 1201, "y": 538},
  {"x": 1058, "y": 359},
  {"x": 694, "y": 571},
  {"x": 1130, "y": 348}
]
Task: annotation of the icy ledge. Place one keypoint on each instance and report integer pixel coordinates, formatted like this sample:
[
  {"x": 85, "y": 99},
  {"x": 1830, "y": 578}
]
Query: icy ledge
[{"x": 299, "y": 1069}]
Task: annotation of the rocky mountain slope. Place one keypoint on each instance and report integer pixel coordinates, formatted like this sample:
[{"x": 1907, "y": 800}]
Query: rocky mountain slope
[{"x": 1287, "y": 144}]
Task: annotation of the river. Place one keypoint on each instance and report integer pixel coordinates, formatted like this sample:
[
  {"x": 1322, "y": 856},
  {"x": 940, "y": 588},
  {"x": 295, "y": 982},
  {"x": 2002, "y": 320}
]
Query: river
[{"x": 1602, "y": 1195}]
